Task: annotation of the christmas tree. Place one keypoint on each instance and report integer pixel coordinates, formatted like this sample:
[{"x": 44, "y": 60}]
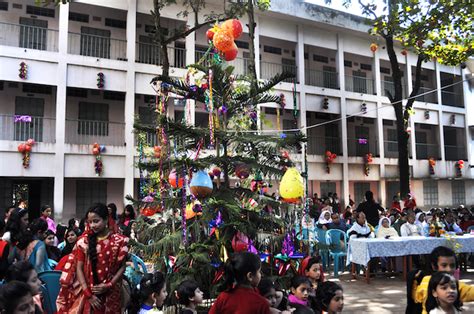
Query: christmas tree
[{"x": 213, "y": 183}]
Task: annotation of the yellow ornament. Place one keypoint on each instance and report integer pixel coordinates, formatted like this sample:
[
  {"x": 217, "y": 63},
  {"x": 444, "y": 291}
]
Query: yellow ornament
[
  {"x": 192, "y": 209},
  {"x": 291, "y": 186}
]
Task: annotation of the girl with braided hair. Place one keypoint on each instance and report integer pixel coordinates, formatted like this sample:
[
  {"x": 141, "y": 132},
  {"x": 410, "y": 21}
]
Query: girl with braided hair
[{"x": 92, "y": 276}]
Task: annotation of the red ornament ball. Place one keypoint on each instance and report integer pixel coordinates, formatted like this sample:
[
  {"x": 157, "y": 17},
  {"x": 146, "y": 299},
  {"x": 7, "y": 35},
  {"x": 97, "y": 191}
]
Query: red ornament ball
[
  {"x": 21, "y": 148},
  {"x": 210, "y": 34},
  {"x": 223, "y": 40},
  {"x": 27, "y": 148},
  {"x": 234, "y": 26},
  {"x": 232, "y": 53}
]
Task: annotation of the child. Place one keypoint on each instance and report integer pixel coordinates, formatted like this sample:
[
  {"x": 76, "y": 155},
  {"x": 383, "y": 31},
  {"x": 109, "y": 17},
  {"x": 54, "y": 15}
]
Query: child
[
  {"x": 127, "y": 216},
  {"x": 329, "y": 298},
  {"x": 443, "y": 294},
  {"x": 268, "y": 291},
  {"x": 300, "y": 290},
  {"x": 23, "y": 271},
  {"x": 442, "y": 259},
  {"x": 150, "y": 294},
  {"x": 46, "y": 213},
  {"x": 189, "y": 295},
  {"x": 311, "y": 267},
  {"x": 15, "y": 297},
  {"x": 242, "y": 276}
]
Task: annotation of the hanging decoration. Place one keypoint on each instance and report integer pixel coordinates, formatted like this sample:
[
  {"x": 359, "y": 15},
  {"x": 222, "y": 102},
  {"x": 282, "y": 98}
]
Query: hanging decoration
[
  {"x": 427, "y": 114},
  {"x": 242, "y": 170},
  {"x": 193, "y": 209},
  {"x": 201, "y": 184},
  {"x": 363, "y": 108},
  {"x": 222, "y": 38},
  {"x": 157, "y": 151},
  {"x": 175, "y": 181},
  {"x": 453, "y": 119},
  {"x": 291, "y": 186},
  {"x": 367, "y": 161},
  {"x": 325, "y": 103},
  {"x": 240, "y": 242},
  {"x": 329, "y": 157},
  {"x": 404, "y": 52},
  {"x": 373, "y": 47},
  {"x": 295, "y": 103},
  {"x": 459, "y": 165},
  {"x": 25, "y": 150},
  {"x": 23, "y": 71},
  {"x": 100, "y": 80},
  {"x": 432, "y": 164},
  {"x": 210, "y": 109},
  {"x": 97, "y": 150},
  {"x": 282, "y": 105}
]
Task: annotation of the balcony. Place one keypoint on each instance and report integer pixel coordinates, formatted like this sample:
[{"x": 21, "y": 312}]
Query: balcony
[
  {"x": 360, "y": 147},
  {"x": 431, "y": 95},
  {"x": 427, "y": 151},
  {"x": 322, "y": 78},
  {"x": 151, "y": 54},
  {"x": 241, "y": 65},
  {"x": 270, "y": 69},
  {"x": 318, "y": 145},
  {"x": 29, "y": 37},
  {"x": 359, "y": 84},
  {"x": 14, "y": 128},
  {"x": 89, "y": 132},
  {"x": 452, "y": 99},
  {"x": 391, "y": 149},
  {"x": 388, "y": 87},
  {"x": 97, "y": 46}
]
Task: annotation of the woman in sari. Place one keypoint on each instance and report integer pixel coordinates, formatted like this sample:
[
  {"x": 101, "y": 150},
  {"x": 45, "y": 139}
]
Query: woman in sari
[
  {"x": 31, "y": 247},
  {"x": 92, "y": 276}
]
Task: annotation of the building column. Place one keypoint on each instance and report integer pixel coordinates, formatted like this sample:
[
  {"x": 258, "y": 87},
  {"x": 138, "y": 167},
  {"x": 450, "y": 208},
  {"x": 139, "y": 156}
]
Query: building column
[
  {"x": 440, "y": 106},
  {"x": 128, "y": 186},
  {"x": 190, "y": 108},
  {"x": 466, "y": 92},
  {"x": 61, "y": 114},
  {"x": 412, "y": 141},
  {"x": 345, "y": 150},
  {"x": 257, "y": 46}
]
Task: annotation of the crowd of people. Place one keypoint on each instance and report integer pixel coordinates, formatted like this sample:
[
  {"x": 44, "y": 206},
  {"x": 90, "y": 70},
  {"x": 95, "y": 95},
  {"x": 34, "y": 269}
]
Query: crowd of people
[{"x": 93, "y": 255}]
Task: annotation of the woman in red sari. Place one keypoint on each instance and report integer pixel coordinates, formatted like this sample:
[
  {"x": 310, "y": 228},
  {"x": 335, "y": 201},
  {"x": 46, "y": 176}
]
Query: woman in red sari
[{"x": 92, "y": 276}]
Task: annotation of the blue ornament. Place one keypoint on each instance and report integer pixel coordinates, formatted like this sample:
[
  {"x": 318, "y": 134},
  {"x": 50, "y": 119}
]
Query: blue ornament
[
  {"x": 102, "y": 148},
  {"x": 282, "y": 135},
  {"x": 201, "y": 184}
]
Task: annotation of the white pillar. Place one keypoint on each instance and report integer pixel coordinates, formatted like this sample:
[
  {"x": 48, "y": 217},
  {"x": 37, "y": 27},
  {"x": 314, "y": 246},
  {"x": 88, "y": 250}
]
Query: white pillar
[
  {"x": 345, "y": 150},
  {"x": 440, "y": 103},
  {"x": 466, "y": 92},
  {"x": 257, "y": 46},
  {"x": 412, "y": 140},
  {"x": 61, "y": 114},
  {"x": 190, "y": 108},
  {"x": 128, "y": 186}
]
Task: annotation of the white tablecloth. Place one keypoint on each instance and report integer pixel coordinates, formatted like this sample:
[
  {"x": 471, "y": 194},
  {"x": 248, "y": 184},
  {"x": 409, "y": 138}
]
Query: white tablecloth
[{"x": 362, "y": 250}]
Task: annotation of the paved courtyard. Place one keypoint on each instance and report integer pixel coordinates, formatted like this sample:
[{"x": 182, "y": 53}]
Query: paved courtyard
[{"x": 382, "y": 295}]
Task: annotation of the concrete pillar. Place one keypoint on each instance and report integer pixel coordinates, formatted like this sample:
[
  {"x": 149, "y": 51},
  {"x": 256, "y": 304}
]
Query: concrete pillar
[
  {"x": 466, "y": 92},
  {"x": 190, "y": 108},
  {"x": 61, "y": 114},
  {"x": 412, "y": 141},
  {"x": 128, "y": 186},
  {"x": 257, "y": 46},
  {"x": 345, "y": 150},
  {"x": 440, "y": 102}
]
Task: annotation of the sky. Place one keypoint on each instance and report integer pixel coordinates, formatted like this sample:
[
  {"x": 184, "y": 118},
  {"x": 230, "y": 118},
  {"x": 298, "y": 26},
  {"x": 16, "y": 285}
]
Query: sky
[{"x": 337, "y": 5}]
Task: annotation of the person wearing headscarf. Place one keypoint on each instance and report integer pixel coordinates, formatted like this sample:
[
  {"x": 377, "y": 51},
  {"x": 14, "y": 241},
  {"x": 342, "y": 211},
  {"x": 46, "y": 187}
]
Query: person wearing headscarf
[
  {"x": 420, "y": 223},
  {"x": 324, "y": 220},
  {"x": 360, "y": 228},
  {"x": 385, "y": 230}
]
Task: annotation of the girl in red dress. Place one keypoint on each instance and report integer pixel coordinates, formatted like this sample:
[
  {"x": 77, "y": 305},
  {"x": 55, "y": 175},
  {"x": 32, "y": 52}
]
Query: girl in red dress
[{"x": 92, "y": 276}]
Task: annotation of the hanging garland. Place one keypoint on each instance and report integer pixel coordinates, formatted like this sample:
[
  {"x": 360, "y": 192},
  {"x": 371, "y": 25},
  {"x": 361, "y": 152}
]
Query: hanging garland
[
  {"x": 23, "y": 71},
  {"x": 367, "y": 161},
  {"x": 330, "y": 157},
  {"x": 25, "y": 149},
  {"x": 97, "y": 150},
  {"x": 459, "y": 165},
  {"x": 432, "y": 164},
  {"x": 100, "y": 80}
]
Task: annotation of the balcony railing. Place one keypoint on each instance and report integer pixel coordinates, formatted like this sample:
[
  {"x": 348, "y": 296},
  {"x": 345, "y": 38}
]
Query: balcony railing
[
  {"x": 431, "y": 96},
  {"x": 389, "y": 88},
  {"x": 360, "y": 147},
  {"x": 89, "y": 132},
  {"x": 427, "y": 151},
  {"x": 455, "y": 152},
  {"x": 321, "y": 78},
  {"x": 391, "y": 149},
  {"x": 269, "y": 70},
  {"x": 38, "y": 128},
  {"x": 318, "y": 145},
  {"x": 241, "y": 66},
  {"x": 359, "y": 84},
  {"x": 151, "y": 54},
  {"x": 30, "y": 37},
  {"x": 452, "y": 99},
  {"x": 97, "y": 46}
]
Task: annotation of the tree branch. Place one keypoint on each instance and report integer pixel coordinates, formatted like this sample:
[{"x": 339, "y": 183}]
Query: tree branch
[{"x": 367, "y": 9}]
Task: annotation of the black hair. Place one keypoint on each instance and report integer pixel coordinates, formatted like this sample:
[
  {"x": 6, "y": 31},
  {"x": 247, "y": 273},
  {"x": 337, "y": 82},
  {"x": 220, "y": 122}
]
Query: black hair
[
  {"x": 441, "y": 251},
  {"x": 11, "y": 293},
  {"x": 14, "y": 224},
  {"x": 441, "y": 278},
  {"x": 131, "y": 210},
  {"x": 313, "y": 260},
  {"x": 45, "y": 207},
  {"x": 324, "y": 294},
  {"x": 68, "y": 247},
  {"x": 297, "y": 281},
  {"x": 7, "y": 210},
  {"x": 150, "y": 283},
  {"x": 265, "y": 286},
  {"x": 19, "y": 271},
  {"x": 38, "y": 225},
  {"x": 60, "y": 232},
  {"x": 369, "y": 196},
  {"x": 113, "y": 207},
  {"x": 102, "y": 211},
  {"x": 238, "y": 266},
  {"x": 2, "y": 225},
  {"x": 186, "y": 291}
]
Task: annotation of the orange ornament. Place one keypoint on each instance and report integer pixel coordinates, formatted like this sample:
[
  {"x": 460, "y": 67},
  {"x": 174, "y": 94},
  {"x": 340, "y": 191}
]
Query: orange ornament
[
  {"x": 404, "y": 52},
  {"x": 234, "y": 26},
  {"x": 95, "y": 151},
  {"x": 22, "y": 148},
  {"x": 157, "y": 150},
  {"x": 373, "y": 47},
  {"x": 232, "y": 53},
  {"x": 223, "y": 40}
]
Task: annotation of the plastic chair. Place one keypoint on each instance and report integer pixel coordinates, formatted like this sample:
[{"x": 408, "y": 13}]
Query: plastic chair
[
  {"x": 469, "y": 229},
  {"x": 323, "y": 246},
  {"x": 335, "y": 247},
  {"x": 138, "y": 262},
  {"x": 50, "y": 289}
]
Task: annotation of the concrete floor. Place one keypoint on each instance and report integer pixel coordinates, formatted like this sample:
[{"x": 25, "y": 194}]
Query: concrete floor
[{"x": 383, "y": 295}]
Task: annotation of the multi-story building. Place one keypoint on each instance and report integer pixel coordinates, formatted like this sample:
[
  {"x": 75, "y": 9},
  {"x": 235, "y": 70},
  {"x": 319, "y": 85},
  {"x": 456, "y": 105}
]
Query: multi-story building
[{"x": 66, "y": 47}]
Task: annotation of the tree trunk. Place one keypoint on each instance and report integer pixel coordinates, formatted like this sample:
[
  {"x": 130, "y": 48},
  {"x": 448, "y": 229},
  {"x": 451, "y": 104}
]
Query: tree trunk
[
  {"x": 165, "y": 64},
  {"x": 251, "y": 61}
]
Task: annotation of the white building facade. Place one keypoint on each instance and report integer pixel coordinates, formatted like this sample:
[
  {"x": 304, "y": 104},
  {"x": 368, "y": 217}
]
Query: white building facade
[{"x": 66, "y": 47}]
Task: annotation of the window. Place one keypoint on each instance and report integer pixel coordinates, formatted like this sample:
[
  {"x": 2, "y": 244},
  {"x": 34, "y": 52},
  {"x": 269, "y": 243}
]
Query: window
[
  {"x": 93, "y": 119},
  {"x": 39, "y": 11},
  {"x": 110, "y": 95},
  {"x": 392, "y": 139},
  {"x": 3, "y": 6},
  {"x": 89, "y": 192},
  {"x": 327, "y": 187},
  {"x": 430, "y": 193},
  {"x": 359, "y": 82},
  {"x": 95, "y": 42},
  {"x": 76, "y": 92},
  {"x": 330, "y": 78},
  {"x": 348, "y": 63},
  {"x": 33, "y": 33},
  {"x": 359, "y": 191},
  {"x": 366, "y": 67},
  {"x": 459, "y": 193},
  {"x": 273, "y": 50},
  {"x": 115, "y": 23},
  {"x": 384, "y": 70},
  {"x": 78, "y": 17},
  {"x": 34, "y": 107},
  {"x": 242, "y": 44},
  {"x": 319, "y": 58},
  {"x": 37, "y": 89}
]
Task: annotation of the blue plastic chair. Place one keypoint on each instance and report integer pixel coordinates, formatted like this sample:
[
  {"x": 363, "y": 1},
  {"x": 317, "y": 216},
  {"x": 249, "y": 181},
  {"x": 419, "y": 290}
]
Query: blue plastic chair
[
  {"x": 138, "y": 262},
  {"x": 336, "y": 249},
  {"x": 135, "y": 273},
  {"x": 323, "y": 246},
  {"x": 50, "y": 289}
]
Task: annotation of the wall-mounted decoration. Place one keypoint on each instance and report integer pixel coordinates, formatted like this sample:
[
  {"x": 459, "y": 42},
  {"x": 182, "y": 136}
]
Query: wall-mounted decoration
[
  {"x": 100, "y": 80},
  {"x": 367, "y": 161},
  {"x": 325, "y": 103},
  {"x": 23, "y": 71}
]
